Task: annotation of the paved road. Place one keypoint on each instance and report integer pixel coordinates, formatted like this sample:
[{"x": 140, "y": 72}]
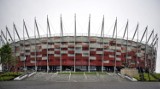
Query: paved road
[{"x": 77, "y": 85}]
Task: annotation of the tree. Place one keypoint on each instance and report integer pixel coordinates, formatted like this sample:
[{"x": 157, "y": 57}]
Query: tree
[{"x": 7, "y": 58}]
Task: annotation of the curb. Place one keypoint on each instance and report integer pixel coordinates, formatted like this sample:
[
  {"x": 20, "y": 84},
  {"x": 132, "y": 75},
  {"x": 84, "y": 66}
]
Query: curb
[
  {"x": 127, "y": 77},
  {"x": 24, "y": 76}
]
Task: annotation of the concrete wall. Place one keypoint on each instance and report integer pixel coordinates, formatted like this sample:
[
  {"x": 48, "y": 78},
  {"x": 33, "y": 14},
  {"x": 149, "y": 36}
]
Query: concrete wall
[{"x": 129, "y": 71}]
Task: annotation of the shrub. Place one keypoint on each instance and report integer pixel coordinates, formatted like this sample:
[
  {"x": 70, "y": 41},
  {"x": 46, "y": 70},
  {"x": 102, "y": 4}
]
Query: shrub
[
  {"x": 9, "y": 76},
  {"x": 157, "y": 75},
  {"x": 6, "y": 78}
]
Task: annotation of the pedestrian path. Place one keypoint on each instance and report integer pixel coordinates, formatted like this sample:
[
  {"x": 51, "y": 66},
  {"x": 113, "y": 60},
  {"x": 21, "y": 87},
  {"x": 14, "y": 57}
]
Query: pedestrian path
[{"x": 76, "y": 77}]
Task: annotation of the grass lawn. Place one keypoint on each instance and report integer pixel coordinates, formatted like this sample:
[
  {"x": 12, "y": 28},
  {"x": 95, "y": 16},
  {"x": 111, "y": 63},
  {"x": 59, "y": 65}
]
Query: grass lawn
[
  {"x": 9, "y": 76},
  {"x": 157, "y": 75},
  {"x": 146, "y": 77},
  {"x": 82, "y": 73}
]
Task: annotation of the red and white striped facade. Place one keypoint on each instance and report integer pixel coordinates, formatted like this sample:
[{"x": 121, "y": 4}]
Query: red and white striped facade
[{"x": 66, "y": 51}]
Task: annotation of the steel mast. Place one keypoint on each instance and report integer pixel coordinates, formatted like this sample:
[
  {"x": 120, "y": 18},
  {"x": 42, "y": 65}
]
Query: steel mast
[
  {"x": 89, "y": 42},
  {"x": 102, "y": 35},
  {"x": 35, "y": 38},
  {"x": 2, "y": 34},
  {"x": 75, "y": 44},
  {"x": 115, "y": 30},
  {"x": 145, "y": 45},
  {"x": 48, "y": 30},
  {"x": 61, "y": 26},
  {"x": 9, "y": 33},
  {"x": 126, "y": 30},
  {"x": 136, "y": 31}
]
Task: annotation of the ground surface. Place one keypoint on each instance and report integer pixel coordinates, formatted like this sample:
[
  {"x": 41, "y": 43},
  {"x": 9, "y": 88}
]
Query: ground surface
[
  {"x": 77, "y": 81},
  {"x": 82, "y": 77},
  {"x": 77, "y": 85}
]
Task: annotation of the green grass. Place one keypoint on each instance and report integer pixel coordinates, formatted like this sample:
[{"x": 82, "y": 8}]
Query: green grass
[
  {"x": 81, "y": 73},
  {"x": 95, "y": 72},
  {"x": 63, "y": 72},
  {"x": 146, "y": 77},
  {"x": 77, "y": 72},
  {"x": 6, "y": 78},
  {"x": 102, "y": 73},
  {"x": 90, "y": 72},
  {"x": 71, "y": 72},
  {"x": 9, "y": 76},
  {"x": 157, "y": 75},
  {"x": 137, "y": 77}
]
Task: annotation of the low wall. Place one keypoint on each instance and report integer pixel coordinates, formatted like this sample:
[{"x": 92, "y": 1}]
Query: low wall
[{"x": 129, "y": 71}]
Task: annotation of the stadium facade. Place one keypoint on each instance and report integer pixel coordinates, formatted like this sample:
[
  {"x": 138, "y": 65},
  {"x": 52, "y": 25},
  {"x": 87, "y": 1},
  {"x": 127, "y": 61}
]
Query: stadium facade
[{"x": 85, "y": 52}]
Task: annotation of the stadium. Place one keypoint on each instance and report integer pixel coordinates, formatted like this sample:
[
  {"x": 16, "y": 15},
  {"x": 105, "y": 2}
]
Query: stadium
[{"x": 83, "y": 52}]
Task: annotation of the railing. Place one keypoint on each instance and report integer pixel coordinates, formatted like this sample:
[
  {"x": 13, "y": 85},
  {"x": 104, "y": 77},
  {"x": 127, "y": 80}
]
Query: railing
[
  {"x": 129, "y": 57},
  {"x": 64, "y": 52},
  {"x": 99, "y": 52},
  {"x": 111, "y": 56},
  {"x": 50, "y": 52},
  {"x": 64, "y": 46},
  {"x": 106, "y": 61},
  {"x": 118, "y": 59},
  {"x": 78, "y": 51},
  {"x": 92, "y": 58},
  {"x": 109, "y": 50},
  {"x": 17, "y": 54},
  {"x": 27, "y": 48},
  {"x": 57, "y": 55},
  {"x": 44, "y": 58},
  {"x": 118, "y": 53},
  {"x": 70, "y": 55},
  {"x": 27, "y": 53}
]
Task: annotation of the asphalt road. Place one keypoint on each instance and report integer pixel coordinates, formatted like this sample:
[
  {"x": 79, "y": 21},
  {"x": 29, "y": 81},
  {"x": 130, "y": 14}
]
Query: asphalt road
[{"x": 77, "y": 85}]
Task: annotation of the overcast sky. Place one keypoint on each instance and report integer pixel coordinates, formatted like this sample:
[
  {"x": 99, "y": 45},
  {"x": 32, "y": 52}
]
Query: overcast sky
[{"x": 146, "y": 12}]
